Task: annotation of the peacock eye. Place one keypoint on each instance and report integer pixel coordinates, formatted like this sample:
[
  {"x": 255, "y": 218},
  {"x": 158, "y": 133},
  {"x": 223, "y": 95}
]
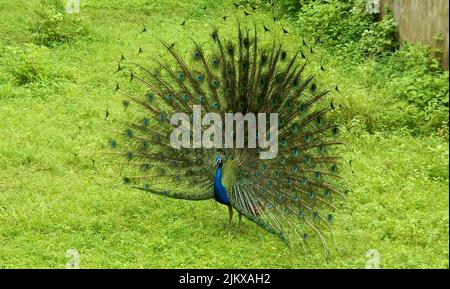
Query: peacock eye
[{"x": 218, "y": 160}]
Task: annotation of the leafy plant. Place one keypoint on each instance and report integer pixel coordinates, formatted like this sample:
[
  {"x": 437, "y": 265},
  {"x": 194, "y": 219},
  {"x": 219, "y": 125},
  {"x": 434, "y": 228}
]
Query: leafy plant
[
  {"x": 379, "y": 38},
  {"x": 25, "y": 64},
  {"x": 52, "y": 25},
  {"x": 345, "y": 28},
  {"x": 408, "y": 90},
  {"x": 288, "y": 8},
  {"x": 417, "y": 80}
]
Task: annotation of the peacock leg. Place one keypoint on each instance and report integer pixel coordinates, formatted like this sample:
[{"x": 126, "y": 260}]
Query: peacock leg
[
  {"x": 240, "y": 220},
  {"x": 230, "y": 216}
]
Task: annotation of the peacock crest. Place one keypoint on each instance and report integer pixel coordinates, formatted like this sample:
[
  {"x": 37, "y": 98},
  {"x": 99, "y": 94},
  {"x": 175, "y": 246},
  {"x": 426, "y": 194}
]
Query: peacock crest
[{"x": 292, "y": 195}]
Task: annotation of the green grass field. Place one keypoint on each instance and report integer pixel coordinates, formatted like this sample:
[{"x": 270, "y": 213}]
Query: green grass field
[{"x": 59, "y": 190}]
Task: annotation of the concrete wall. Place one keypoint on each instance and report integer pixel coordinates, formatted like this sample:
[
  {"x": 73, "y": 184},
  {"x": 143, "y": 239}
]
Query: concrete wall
[{"x": 421, "y": 20}]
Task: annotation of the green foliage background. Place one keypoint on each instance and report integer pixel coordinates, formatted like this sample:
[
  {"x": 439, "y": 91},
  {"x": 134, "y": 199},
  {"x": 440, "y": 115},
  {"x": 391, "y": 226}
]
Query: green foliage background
[{"x": 59, "y": 190}]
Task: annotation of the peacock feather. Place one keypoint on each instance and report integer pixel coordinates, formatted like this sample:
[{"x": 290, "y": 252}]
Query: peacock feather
[{"x": 292, "y": 196}]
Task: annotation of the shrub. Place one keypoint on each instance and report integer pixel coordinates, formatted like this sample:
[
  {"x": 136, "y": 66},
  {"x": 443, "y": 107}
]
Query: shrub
[
  {"x": 417, "y": 80},
  {"x": 52, "y": 25},
  {"x": 346, "y": 29},
  {"x": 401, "y": 88},
  {"x": 379, "y": 38},
  {"x": 25, "y": 64},
  {"x": 289, "y": 8},
  {"x": 405, "y": 91}
]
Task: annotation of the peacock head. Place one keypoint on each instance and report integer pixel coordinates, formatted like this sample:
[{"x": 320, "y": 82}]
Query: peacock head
[{"x": 218, "y": 161}]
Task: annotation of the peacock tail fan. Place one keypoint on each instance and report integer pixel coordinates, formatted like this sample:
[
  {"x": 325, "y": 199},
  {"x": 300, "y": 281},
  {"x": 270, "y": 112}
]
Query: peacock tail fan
[{"x": 293, "y": 195}]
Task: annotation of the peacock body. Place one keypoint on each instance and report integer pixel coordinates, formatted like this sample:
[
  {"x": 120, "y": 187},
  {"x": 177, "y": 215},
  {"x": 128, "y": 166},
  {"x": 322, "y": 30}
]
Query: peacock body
[{"x": 291, "y": 195}]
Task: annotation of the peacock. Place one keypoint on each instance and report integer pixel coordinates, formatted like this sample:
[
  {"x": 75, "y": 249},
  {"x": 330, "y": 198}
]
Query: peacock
[{"x": 293, "y": 195}]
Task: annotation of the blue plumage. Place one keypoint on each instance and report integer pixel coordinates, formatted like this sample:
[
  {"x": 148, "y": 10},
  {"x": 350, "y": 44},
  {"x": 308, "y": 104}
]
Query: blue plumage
[{"x": 220, "y": 193}]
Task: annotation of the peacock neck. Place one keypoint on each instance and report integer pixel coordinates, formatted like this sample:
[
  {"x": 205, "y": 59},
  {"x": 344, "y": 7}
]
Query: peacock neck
[{"x": 220, "y": 192}]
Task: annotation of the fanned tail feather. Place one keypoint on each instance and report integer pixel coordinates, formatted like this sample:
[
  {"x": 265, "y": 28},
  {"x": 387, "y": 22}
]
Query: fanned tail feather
[{"x": 291, "y": 196}]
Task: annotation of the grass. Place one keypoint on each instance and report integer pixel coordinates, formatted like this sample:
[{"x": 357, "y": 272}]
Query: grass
[{"x": 59, "y": 191}]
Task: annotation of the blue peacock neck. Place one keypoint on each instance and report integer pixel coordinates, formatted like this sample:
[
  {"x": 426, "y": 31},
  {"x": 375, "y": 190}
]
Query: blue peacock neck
[{"x": 220, "y": 192}]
